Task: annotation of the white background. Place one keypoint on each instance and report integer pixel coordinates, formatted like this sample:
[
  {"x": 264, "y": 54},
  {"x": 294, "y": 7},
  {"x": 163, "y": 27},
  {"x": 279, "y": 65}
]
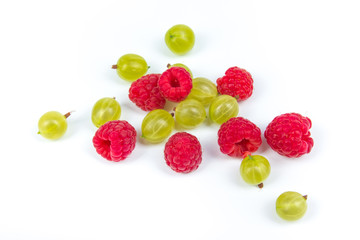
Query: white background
[{"x": 57, "y": 55}]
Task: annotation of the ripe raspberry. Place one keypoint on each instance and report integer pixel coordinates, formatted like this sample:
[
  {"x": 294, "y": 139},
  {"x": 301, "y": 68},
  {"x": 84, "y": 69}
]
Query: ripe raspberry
[
  {"x": 115, "y": 140},
  {"x": 183, "y": 152},
  {"x": 238, "y": 137},
  {"x": 175, "y": 84},
  {"x": 237, "y": 82},
  {"x": 288, "y": 135},
  {"x": 145, "y": 93}
]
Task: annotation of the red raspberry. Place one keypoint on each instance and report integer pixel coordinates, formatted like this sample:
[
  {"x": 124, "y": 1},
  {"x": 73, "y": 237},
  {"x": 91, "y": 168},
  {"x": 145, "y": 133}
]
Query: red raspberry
[
  {"x": 175, "y": 84},
  {"x": 183, "y": 152},
  {"x": 115, "y": 140},
  {"x": 237, "y": 82},
  {"x": 145, "y": 93},
  {"x": 288, "y": 135},
  {"x": 238, "y": 137}
]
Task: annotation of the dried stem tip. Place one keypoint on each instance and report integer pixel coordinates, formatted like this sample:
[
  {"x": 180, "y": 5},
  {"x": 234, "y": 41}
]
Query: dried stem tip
[
  {"x": 168, "y": 65},
  {"x": 67, "y": 114},
  {"x": 114, "y": 66},
  {"x": 260, "y": 185},
  {"x": 305, "y": 196}
]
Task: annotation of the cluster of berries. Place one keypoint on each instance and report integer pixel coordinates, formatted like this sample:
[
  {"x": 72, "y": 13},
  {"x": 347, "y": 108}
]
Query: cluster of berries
[{"x": 287, "y": 134}]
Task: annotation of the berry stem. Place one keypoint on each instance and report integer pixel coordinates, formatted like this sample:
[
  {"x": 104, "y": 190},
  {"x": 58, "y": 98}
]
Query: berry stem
[
  {"x": 305, "y": 196},
  {"x": 168, "y": 65},
  {"x": 68, "y": 114},
  {"x": 260, "y": 185},
  {"x": 114, "y": 66}
]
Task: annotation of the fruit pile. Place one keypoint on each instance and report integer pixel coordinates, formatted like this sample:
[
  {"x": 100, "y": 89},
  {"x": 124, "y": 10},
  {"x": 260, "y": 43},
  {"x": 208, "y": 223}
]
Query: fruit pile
[{"x": 287, "y": 134}]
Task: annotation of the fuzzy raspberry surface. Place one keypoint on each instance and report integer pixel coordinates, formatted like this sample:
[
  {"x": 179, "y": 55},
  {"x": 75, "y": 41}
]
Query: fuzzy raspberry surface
[
  {"x": 288, "y": 134},
  {"x": 238, "y": 137},
  {"x": 145, "y": 93},
  {"x": 175, "y": 84},
  {"x": 237, "y": 82},
  {"x": 183, "y": 152},
  {"x": 115, "y": 140}
]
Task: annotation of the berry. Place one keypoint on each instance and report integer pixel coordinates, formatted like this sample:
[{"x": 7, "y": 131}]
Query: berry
[
  {"x": 237, "y": 82},
  {"x": 104, "y": 110},
  {"x": 222, "y": 108},
  {"x": 115, "y": 140},
  {"x": 203, "y": 90},
  {"x": 190, "y": 113},
  {"x": 291, "y": 206},
  {"x": 52, "y": 125},
  {"x": 288, "y": 134},
  {"x": 254, "y": 169},
  {"x": 183, "y": 152},
  {"x": 180, "y": 39},
  {"x": 238, "y": 137},
  {"x": 157, "y": 126},
  {"x": 131, "y": 67},
  {"x": 145, "y": 93},
  {"x": 175, "y": 84},
  {"x": 180, "y": 65}
]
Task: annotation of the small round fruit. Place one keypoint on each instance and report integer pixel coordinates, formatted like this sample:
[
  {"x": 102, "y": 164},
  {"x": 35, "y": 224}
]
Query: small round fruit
[
  {"x": 291, "y": 206},
  {"x": 180, "y": 39},
  {"x": 182, "y": 66},
  {"x": 203, "y": 90},
  {"x": 104, "y": 110},
  {"x": 223, "y": 108},
  {"x": 254, "y": 169},
  {"x": 52, "y": 125},
  {"x": 131, "y": 67},
  {"x": 157, "y": 126},
  {"x": 190, "y": 113}
]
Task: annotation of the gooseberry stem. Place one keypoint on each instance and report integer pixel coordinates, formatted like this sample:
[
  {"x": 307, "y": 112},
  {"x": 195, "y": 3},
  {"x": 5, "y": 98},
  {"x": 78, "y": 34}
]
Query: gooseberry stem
[
  {"x": 68, "y": 114},
  {"x": 305, "y": 196},
  {"x": 114, "y": 66},
  {"x": 260, "y": 185}
]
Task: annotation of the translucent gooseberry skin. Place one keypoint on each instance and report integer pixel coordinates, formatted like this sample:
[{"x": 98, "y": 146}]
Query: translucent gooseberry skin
[
  {"x": 180, "y": 39},
  {"x": 291, "y": 206},
  {"x": 203, "y": 90},
  {"x": 254, "y": 169},
  {"x": 131, "y": 67},
  {"x": 222, "y": 108},
  {"x": 104, "y": 110},
  {"x": 157, "y": 126},
  {"x": 190, "y": 113},
  {"x": 182, "y": 66},
  {"x": 52, "y": 125}
]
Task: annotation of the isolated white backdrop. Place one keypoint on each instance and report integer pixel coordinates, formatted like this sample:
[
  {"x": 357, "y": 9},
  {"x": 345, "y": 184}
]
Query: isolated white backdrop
[{"x": 303, "y": 55}]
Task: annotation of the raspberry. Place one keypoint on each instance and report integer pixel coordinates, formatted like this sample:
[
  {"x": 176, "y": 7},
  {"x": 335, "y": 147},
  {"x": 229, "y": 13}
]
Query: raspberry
[
  {"x": 115, "y": 140},
  {"x": 288, "y": 134},
  {"x": 183, "y": 152},
  {"x": 175, "y": 84},
  {"x": 237, "y": 82},
  {"x": 145, "y": 93},
  {"x": 238, "y": 137}
]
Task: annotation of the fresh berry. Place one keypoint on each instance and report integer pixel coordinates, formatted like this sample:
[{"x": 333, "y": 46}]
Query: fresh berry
[
  {"x": 238, "y": 137},
  {"x": 115, "y": 140},
  {"x": 183, "y": 152},
  {"x": 237, "y": 82},
  {"x": 145, "y": 93},
  {"x": 288, "y": 135},
  {"x": 175, "y": 84}
]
